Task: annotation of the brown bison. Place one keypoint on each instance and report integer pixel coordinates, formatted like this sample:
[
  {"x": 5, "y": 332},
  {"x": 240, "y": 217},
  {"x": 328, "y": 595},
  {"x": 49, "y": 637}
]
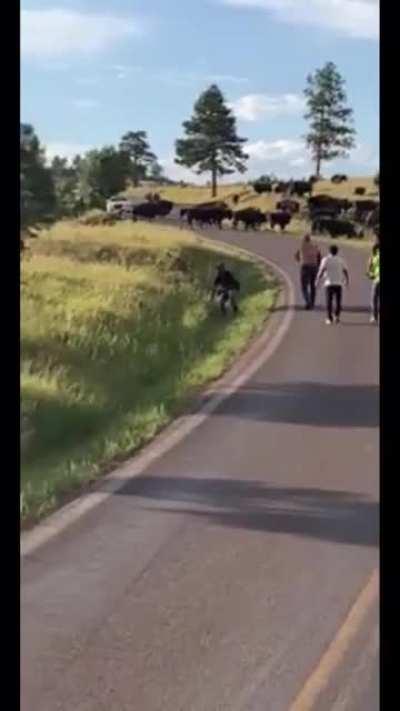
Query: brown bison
[
  {"x": 250, "y": 217},
  {"x": 280, "y": 218}
]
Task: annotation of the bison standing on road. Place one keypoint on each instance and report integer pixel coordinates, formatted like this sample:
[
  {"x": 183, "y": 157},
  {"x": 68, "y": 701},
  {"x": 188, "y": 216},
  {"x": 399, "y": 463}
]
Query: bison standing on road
[
  {"x": 150, "y": 210},
  {"x": 208, "y": 216},
  {"x": 280, "y": 218},
  {"x": 322, "y": 202},
  {"x": 164, "y": 207},
  {"x": 291, "y": 206},
  {"x": 250, "y": 217},
  {"x": 336, "y": 228}
]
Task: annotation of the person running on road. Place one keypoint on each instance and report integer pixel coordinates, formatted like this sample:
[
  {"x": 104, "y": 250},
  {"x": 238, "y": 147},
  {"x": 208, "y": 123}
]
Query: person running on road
[
  {"x": 310, "y": 258},
  {"x": 225, "y": 286},
  {"x": 336, "y": 274},
  {"x": 373, "y": 273}
]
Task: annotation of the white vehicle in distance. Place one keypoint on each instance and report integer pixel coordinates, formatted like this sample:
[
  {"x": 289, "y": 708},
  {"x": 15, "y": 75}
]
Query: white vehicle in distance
[{"x": 120, "y": 207}]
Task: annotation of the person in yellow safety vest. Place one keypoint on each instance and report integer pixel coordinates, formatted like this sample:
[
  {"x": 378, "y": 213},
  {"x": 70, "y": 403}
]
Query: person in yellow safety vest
[{"x": 373, "y": 273}]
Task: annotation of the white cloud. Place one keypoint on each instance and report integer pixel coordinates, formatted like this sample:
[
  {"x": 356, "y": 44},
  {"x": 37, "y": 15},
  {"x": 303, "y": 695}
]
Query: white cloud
[
  {"x": 285, "y": 157},
  {"x": 297, "y": 162},
  {"x": 57, "y": 32},
  {"x": 65, "y": 150},
  {"x": 288, "y": 158},
  {"x": 273, "y": 150},
  {"x": 253, "y": 107},
  {"x": 354, "y": 18},
  {"x": 179, "y": 172},
  {"x": 86, "y": 103},
  {"x": 363, "y": 154}
]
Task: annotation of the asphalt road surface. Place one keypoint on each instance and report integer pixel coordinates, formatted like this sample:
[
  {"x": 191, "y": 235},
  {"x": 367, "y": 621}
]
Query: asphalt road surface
[{"x": 219, "y": 579}]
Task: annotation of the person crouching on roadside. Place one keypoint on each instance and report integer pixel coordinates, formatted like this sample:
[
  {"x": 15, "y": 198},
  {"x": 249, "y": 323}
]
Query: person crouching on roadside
[{"x": 225, "y": 287}]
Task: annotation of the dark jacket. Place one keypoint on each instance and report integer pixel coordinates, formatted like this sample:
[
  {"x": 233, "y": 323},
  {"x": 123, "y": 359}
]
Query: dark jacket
[{"x": 226, "y": 280}]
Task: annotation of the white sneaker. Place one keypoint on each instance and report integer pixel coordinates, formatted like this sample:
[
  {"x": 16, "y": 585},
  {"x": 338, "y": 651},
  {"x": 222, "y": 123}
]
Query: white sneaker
[
  {"x": 372, "y": 319},
  {"x": 337, "y": 319},
  {"x": 328, "y": 322}
]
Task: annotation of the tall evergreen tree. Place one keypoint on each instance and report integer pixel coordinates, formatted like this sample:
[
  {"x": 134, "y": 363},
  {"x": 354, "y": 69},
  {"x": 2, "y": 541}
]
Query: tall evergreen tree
[
  {"x": 331, "y": 133},
  {"x": 156, "y": 172},
  {"x": 37, "y": 197},
  {"x": 65, "y": 179},
  {"x": 211, "y": 144},
  {"x": 136, "y": 146},
  {"x": 101, "y": 174}
]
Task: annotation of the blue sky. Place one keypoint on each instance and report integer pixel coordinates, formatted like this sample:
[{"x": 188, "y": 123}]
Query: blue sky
[{"x": 94, "y": 70}]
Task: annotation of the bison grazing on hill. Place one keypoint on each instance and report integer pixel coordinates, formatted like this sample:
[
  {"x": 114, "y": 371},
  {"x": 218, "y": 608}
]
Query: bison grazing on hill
[
  {"x": 262, "y": 186},
  {"x": 281, "y": 187},
  {"x": 338, "y": 178},
  {"x": 291, "y": 206},
  {"x": 336, "y": 228},
  {"x": 250, "y": 217},
  {"x": 280, "y": 218},
  {"x": 235, "y": 199},
  {"x": 301, "y": 187},
  {"x": 359, "y": 191}
]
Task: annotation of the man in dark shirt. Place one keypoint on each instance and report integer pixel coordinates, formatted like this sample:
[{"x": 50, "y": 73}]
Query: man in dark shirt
[{"x": 225, "y": 286}]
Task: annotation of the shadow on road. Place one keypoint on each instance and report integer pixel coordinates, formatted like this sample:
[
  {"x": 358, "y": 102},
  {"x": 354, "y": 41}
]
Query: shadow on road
[
  {"x": 308, "y": 403},
  {"x": 337, "y": 516},
  {"x": 322, "y": 308}
]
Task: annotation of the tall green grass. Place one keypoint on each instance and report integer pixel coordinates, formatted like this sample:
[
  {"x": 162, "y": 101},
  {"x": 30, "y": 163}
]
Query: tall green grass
[{"x": 118, "y": 332}]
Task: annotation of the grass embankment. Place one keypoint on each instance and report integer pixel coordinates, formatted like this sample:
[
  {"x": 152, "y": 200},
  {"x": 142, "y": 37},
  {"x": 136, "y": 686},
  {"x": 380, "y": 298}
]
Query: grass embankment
[
  {"x": 118, "y": 332},
  {"x": 267, "y": 201}
]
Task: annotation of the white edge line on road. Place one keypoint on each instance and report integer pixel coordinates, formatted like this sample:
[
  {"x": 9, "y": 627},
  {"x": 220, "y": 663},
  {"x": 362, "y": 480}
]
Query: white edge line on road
[
  {"x": 334, "y": 655},
  {"x": 57, "y": 522}
]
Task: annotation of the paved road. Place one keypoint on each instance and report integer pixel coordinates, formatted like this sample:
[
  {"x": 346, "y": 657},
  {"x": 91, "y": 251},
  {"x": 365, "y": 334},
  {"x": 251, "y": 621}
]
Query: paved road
[{"x": 218, "y": 579}]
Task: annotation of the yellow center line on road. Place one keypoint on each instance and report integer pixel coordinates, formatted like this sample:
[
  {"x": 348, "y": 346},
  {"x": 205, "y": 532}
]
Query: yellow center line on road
[{"x": 330, "y": 661}]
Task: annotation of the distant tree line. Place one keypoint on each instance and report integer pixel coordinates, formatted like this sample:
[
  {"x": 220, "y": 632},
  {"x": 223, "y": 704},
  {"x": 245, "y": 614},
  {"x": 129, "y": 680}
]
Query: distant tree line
[{"x": 210, "y": 145}]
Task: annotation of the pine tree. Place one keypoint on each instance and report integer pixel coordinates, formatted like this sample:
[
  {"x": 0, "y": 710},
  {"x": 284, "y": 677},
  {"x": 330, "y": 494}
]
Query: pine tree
[
  {"x": 331, "y": 131},
  {"x": 101, "y": 174},
  {"x": 135, "y": 144},
  {"x": 156, "y": 172},
  {"x": 37, "y": 196},
  {"x": 211, "y": 143},
  {"x": 65, "y": 179}
]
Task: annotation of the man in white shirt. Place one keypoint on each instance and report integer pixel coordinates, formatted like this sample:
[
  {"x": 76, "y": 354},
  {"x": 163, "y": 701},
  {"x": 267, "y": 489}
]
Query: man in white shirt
[{"x": 336, "y": 274}]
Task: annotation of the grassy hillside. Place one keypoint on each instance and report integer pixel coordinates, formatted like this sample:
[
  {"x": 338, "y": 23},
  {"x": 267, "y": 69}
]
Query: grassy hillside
[
  {"x": 193, "y": 194},
  {"x": 117, "y": 332}
]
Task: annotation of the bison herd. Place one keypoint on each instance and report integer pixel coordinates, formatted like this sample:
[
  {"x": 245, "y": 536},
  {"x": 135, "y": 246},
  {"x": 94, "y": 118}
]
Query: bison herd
[{"x": 326, "y": 214}]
